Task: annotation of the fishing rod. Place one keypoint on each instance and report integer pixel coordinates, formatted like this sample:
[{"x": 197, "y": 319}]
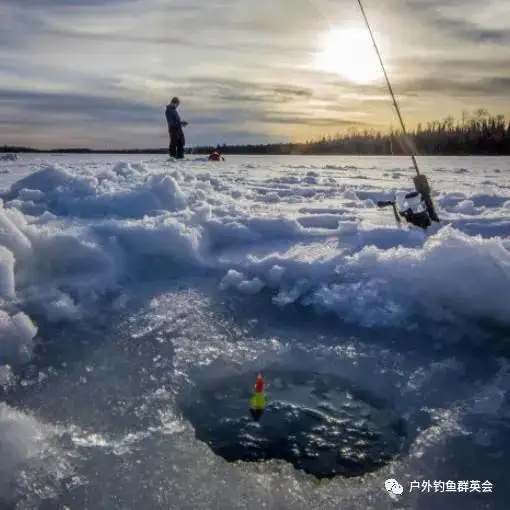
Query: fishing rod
[{"x": 413, "y": 214}]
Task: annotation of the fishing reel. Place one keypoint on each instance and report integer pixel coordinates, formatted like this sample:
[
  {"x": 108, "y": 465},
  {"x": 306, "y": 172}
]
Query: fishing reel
[
  {"x": 417, "y": 207},
  {"x": 413, "y": 210}
]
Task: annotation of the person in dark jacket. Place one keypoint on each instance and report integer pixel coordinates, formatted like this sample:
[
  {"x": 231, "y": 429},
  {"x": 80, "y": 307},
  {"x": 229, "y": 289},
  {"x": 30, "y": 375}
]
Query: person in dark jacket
[{"x": 175, "y": 125}]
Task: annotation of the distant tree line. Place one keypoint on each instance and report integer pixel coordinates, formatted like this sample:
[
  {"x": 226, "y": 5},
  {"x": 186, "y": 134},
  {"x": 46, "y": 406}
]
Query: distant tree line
[
  {"x": 476, "y": 134},
  {"x": 15, "y": 148},
  {"x": 479, "y": 133}
]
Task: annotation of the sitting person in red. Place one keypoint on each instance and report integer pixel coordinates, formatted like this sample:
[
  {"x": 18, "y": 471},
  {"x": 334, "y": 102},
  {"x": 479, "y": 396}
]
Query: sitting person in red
[{"x": 216, "y": 156}]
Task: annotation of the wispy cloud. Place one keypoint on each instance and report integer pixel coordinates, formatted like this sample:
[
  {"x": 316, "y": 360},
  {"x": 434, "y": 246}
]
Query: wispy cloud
[
  {"x": 79, "y": 106},
  {"x": 99, "y": 73}
]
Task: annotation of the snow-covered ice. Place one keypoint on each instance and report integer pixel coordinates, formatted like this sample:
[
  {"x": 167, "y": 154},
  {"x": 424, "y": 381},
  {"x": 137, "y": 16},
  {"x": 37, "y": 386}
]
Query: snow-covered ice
[{"x": 125, "y": 280}]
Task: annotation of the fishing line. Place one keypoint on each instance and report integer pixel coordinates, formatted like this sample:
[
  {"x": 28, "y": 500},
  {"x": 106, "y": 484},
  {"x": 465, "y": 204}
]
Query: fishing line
[{"x": 390, "y": 88}]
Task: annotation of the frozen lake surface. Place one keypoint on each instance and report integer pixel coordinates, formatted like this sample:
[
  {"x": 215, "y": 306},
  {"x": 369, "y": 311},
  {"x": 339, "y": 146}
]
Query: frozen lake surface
[{"x": 140, "y": 297}]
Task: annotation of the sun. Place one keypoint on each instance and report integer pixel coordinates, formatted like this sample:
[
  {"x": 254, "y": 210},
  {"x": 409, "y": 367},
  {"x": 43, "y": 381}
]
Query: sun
[{"x": 348, "y": 52}]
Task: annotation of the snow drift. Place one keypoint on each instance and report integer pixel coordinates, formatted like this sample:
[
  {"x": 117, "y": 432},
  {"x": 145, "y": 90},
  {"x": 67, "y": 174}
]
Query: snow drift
[{"x": 71, "y": 234}]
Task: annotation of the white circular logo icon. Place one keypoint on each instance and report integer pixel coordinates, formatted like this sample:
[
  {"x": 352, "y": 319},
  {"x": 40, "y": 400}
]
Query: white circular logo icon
[{"x": 393, "y": 486}]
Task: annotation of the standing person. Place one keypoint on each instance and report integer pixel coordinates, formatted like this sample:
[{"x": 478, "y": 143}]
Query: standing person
[{"x": 175, "y": 125}]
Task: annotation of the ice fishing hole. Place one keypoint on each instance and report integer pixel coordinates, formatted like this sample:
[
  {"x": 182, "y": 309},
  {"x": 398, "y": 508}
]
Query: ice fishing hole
[{"x": 320, "y": 423}]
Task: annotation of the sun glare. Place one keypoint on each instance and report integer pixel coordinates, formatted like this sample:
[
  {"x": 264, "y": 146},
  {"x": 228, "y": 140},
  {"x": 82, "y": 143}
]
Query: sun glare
[{"x": 349, "y": 52}]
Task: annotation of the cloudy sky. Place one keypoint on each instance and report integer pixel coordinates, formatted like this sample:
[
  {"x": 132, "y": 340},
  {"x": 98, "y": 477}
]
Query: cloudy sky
[{"x": 98, "y": 73}]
